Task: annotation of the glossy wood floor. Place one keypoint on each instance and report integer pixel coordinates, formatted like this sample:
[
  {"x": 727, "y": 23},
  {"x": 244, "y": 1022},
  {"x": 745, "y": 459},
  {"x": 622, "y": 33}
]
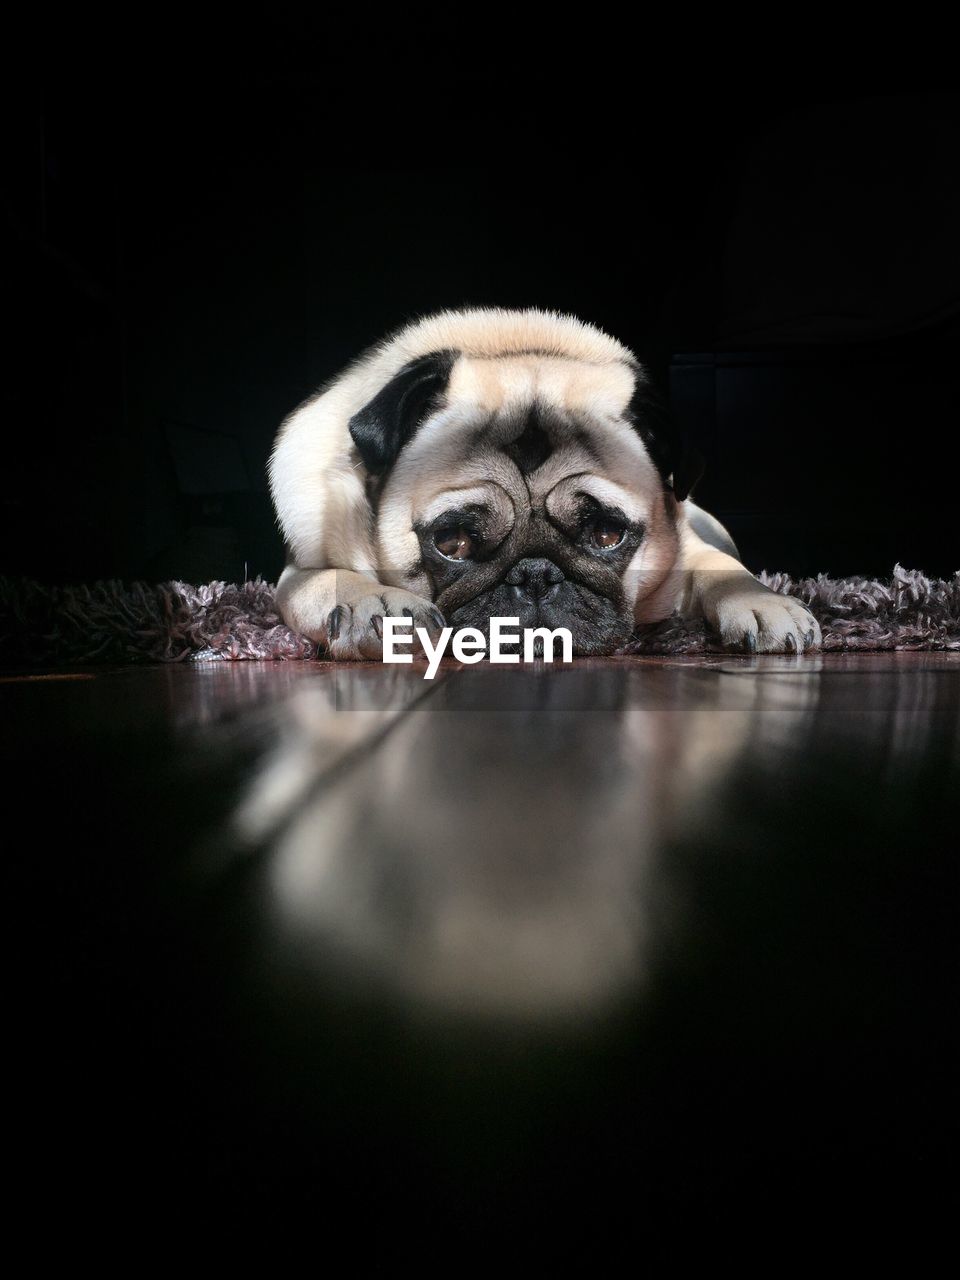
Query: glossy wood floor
[{"x": 639, "y": 952}]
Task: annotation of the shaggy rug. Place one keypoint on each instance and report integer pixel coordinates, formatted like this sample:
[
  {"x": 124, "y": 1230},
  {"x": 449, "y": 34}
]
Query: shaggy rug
[{"x": 175, "y": 622}]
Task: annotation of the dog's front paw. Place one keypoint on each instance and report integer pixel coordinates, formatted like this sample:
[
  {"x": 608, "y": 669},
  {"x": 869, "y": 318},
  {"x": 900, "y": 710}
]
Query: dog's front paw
[
  {"x": 750, "y": 617},
  {"x": 355, "y": 629}
]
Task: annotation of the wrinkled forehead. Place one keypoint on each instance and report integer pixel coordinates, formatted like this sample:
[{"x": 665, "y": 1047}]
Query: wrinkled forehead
[{"x": 523, "y": 424}]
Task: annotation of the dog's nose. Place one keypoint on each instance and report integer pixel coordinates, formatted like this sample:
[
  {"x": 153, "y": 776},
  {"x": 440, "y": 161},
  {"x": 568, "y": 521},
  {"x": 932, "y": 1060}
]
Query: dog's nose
[{"x": 534, "y": 581}]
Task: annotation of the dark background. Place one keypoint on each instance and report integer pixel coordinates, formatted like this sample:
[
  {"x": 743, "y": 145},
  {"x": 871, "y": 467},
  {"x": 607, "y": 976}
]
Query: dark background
[{"x": 188, "y": 256}]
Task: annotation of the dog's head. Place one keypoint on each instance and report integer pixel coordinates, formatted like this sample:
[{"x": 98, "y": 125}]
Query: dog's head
[{"x": 524, "y": 484}]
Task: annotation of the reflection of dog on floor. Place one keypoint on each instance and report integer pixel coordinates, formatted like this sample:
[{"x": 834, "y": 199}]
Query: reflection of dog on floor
[
  {"x": 490, "y": 463},
  {"x": 406, "y": 879}
]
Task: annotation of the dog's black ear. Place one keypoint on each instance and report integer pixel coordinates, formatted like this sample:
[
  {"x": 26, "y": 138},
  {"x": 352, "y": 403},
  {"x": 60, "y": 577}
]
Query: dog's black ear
[
  {"x": 658, "y": 429},
  {"x": 383, "y": 427}
]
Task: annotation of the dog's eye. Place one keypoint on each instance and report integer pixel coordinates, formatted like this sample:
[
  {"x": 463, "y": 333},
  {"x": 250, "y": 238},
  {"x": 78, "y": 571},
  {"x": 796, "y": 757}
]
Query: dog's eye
[
  {"x": 454, "y": 543},
  {"x": 606, "y": 533}
]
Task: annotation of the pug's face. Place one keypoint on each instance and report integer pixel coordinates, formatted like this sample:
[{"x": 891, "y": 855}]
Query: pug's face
[{"x": 526, "y": 490}]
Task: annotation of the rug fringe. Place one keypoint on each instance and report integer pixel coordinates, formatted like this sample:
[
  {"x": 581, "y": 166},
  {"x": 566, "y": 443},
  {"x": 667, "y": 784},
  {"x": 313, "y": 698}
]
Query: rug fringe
[{"x": 176, "y": 622}]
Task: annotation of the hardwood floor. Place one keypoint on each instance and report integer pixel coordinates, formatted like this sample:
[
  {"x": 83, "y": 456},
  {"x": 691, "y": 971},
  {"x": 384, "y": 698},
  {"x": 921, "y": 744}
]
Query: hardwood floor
[{"x": 647, "y": 951}]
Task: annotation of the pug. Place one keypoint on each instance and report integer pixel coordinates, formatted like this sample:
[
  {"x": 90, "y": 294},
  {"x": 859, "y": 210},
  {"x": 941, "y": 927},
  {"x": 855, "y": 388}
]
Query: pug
[{"x": 493, "y": 463}]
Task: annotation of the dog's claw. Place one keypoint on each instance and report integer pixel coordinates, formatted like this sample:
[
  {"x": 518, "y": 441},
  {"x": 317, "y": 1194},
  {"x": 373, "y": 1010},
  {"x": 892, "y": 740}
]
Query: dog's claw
[
  {"x": 377, "y": 621},
  {"x": 436, "y": 617},
  {"x": 790, "y": 644},
  {"x": 808, "y": 639},
  {"x": 750, "y": 643},
  {"x": 335, "y": 621}
]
